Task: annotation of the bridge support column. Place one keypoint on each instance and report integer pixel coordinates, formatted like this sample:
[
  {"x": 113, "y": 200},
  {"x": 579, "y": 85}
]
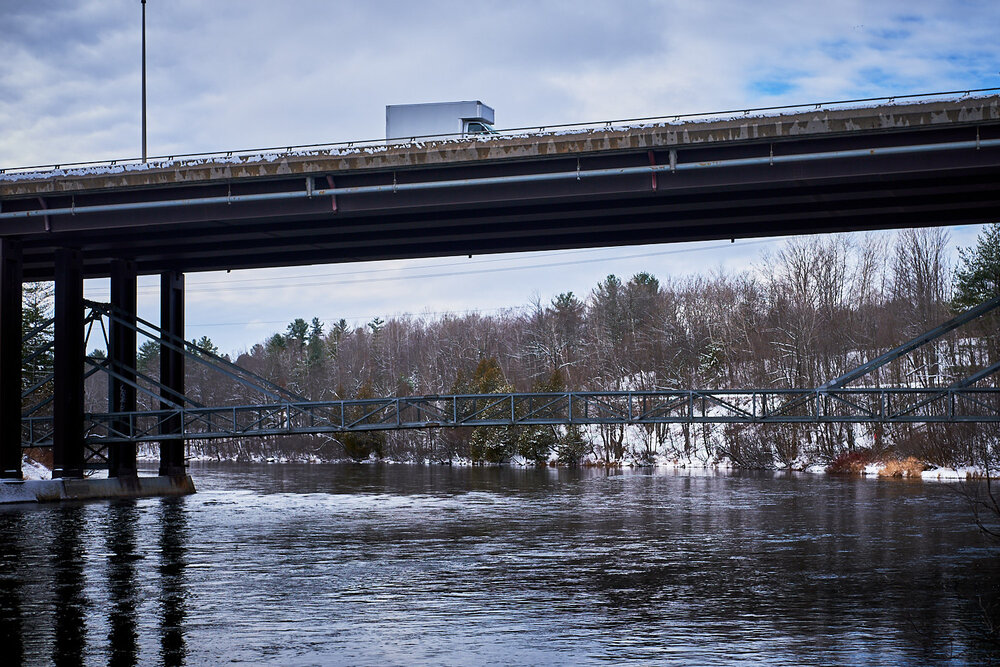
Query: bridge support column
[
  {"x": 172, "y": 370},
  {"x": 122, "y": 356},
  {"x": 67, "y": 403},
  {"x": 10, "y": 358}
]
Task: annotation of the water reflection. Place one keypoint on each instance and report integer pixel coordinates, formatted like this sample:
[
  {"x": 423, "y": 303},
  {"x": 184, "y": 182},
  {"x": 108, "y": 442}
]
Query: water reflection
[
  {"x": 431, "y": 565},
  {"x": 120, "y": 539},
  {"x": 71, "y": 602},
  {"x": 12, "y": 528},
  {"x": 173, "y": 538}
]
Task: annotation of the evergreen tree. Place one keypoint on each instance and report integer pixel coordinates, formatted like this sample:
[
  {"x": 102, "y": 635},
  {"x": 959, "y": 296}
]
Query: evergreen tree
[
  {"x": 275, "y": 344},
  {"x": 492, "y": 444},
  {"x": 360, "y": 445},
  {"x": 535, "y": 442},
  {"x": 567, "y": 313},
  {"x": 298, "y": 330},
  {"x": 148, "y": 358},
  {"x": 314, "y": 350},
  {"x": 336, "y": 336},
  {"x": 572, "y": 446},
  {"x": 206, "y": 344},
  {"x": 36, "y": 351},
  {"x": 607, "y": 302},
  {"x": 977, "y": 277}
]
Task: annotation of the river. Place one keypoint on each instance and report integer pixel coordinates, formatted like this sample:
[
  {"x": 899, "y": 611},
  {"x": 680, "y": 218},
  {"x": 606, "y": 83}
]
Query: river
[{"x": 402, "y": 565}]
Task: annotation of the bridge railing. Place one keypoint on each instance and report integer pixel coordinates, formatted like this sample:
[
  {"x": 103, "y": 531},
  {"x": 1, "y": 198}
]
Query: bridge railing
[{"x": 361, "y": 145}]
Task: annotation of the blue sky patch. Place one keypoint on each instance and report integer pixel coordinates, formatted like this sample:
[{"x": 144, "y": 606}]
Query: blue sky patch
[
  {"x": 890, "y": 34},
  {"x": 772, "y": 87}
]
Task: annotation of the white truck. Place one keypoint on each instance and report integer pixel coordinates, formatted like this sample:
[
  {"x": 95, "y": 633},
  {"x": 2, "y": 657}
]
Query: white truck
[{"x": 403, "y": 121}]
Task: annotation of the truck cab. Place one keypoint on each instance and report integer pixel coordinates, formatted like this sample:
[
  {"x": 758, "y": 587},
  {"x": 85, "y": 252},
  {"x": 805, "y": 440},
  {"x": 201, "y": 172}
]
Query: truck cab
[{"x": 438, "y": 119}]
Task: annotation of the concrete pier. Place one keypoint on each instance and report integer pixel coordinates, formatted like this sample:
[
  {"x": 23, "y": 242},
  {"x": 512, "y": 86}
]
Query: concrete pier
[{"x": 55, "y": 490}]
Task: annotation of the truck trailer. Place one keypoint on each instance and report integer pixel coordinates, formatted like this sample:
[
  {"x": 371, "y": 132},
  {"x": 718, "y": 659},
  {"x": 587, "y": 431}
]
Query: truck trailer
[{"x": 405, "y": 121}]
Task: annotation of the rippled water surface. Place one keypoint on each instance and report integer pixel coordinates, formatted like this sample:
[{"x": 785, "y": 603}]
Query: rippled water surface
[{"x": 303, "y": 565}]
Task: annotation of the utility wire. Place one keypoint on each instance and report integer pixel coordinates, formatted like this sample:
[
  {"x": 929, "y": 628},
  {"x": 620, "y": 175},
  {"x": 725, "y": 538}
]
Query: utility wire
[
  {"x": 359, "y": 318},
  {"x": 289, "y": 283}
]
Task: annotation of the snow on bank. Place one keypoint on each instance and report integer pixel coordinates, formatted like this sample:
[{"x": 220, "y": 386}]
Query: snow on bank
[
  {"x": 36, "y": 471},
  {"x": 952, "y": 474},
  {"x": 33, "y": 470}
]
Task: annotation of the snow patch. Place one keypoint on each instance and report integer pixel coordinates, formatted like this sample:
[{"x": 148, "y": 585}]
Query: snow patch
[
  {"x": 873, "y": 469},
  {"x": 34, "y": 470},
  {"x": 948, "y": 474}
]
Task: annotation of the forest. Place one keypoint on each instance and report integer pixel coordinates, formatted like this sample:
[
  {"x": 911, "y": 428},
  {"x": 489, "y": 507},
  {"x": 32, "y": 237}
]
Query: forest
[{"x": 803, "y": 314}]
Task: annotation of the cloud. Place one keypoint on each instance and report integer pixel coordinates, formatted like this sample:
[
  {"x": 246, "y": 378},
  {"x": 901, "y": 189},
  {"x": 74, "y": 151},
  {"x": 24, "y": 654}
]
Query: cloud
[{"x": 238, "y": 74}]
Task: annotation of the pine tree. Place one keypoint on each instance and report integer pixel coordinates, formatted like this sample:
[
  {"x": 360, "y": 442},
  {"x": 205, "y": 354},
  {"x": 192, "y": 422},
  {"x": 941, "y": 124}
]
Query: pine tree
[
  {"x": 275, "y": 344},
  {"x": 977, "y": 278},
  {"x": 535, "y": 442},
  {"x": 36, "y": 310},
  {"x": 360, "y": 445},
  {"x": 148, "y": 358},
  {"x": 298, "y": 330},
  {"x": 206, "y": 344},
  {"x": 492, "y": 444},
  {"x": 572, "y": 446},
  {"x": 315, "y": 346}
]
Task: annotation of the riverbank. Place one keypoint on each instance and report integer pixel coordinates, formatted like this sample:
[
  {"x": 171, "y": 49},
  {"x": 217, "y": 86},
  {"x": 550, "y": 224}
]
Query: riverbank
[
  {"x": 860, "y": 463},
  {"x": 886, "y": 468}
]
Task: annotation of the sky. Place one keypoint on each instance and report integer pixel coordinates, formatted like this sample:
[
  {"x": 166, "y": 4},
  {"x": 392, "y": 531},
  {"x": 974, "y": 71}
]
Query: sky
[{"x": 242, "y": 74}]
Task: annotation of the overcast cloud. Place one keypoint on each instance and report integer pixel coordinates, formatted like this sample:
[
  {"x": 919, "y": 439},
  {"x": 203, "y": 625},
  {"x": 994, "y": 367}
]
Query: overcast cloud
[{"x": 233, "y": 74}]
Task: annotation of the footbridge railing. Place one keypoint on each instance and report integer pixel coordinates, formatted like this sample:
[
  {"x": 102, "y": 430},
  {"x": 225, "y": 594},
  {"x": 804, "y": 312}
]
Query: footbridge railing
[{"x": 763, "y": 406}]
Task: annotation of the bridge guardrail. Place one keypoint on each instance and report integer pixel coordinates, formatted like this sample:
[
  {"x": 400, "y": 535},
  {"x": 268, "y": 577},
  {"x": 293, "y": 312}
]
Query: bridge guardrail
[{"x": 278, "y": 152}]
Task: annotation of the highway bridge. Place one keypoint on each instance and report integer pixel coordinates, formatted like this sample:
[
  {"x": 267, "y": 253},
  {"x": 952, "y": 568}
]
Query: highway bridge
[{"x": 828, "y": 168}]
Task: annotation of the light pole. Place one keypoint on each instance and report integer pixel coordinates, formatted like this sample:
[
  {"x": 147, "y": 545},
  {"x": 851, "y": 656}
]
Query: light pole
[{"x": 143, "y": 80}]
